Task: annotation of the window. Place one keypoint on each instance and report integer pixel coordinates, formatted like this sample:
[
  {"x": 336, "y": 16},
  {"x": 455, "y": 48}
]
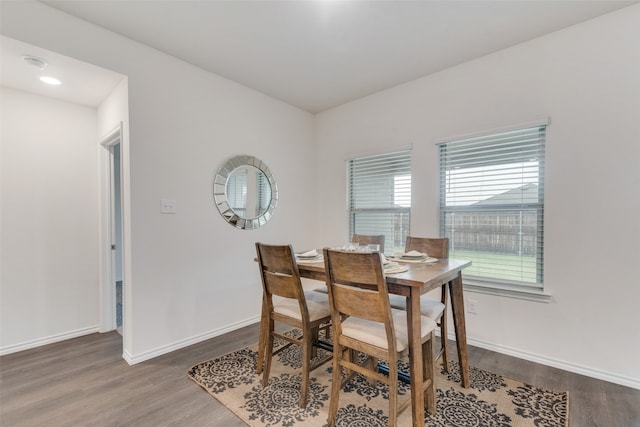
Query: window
[
  {"x": 237, "y": 192},
  {"x": 492, "y": 206},
  {"x": 244, "y": 182},
  {"x": 380, "y": 197},
  {"x": 263, "y": 193}
]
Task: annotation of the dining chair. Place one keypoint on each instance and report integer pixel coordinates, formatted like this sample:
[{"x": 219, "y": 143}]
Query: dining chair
[
  {"x": 361, "y": 240},
  {"x": 363, "y": 321},
  {"x": 306, "y": 310},
  {"x": 364, "y": 240},
  {"x": 436, "y": 310}
]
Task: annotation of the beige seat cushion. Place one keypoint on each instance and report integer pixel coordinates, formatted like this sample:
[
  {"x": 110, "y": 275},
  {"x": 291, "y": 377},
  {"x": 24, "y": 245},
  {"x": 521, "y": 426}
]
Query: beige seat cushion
[
  {"x": 317, "y": 304},
  {"x": 428, "y": 307},
  {"x": 374, "y": 333}
]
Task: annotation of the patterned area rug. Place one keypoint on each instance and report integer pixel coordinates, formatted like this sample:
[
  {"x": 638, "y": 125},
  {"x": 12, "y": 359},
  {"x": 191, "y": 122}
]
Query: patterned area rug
[{"x": 492, "y": 400}]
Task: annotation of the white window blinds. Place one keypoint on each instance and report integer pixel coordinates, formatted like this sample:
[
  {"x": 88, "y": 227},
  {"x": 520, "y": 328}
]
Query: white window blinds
[
  {"x": 242, "y": 185},
  {"x": 236, "y": 190},
  {"x": 492, "y": 205},
  {"x": 380, "y": 197}
]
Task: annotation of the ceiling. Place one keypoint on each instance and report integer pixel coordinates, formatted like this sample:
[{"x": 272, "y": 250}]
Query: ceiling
[
  {"x": 82, "y": 83},
  {"x": 318, "y": 54}
]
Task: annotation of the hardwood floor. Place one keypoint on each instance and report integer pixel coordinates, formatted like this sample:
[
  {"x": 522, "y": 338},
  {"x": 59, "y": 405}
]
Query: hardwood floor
[{"x": 85, "y": 382}]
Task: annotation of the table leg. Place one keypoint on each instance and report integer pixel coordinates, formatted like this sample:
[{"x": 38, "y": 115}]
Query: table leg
[
  {"x": 415, "y": 357},
  {"x": 457, "y": 309},
  {"x": 264, "y": 331}
]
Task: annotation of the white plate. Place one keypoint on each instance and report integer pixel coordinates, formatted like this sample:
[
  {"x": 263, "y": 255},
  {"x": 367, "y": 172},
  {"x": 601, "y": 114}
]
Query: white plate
[
  {"x": 419, "y": 260},
  {"x": 309, "y": 254},
  {"x": 413, "y": 254},
  {"x": 396, "y": 269},
  {"x": 318, "y": 258}
]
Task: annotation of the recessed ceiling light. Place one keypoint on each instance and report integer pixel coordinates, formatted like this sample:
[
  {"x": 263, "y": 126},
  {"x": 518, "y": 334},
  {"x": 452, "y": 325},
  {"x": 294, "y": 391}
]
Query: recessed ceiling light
[
  {"x": 40, "y": 64},
  {"x": 50, "y": 80}
]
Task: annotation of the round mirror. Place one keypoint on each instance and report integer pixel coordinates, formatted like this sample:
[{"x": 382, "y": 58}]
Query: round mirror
[{"x": 245, "y": 192}]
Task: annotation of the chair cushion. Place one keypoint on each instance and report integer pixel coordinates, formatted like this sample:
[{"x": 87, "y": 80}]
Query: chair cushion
[
  {"x": 317, "y": 305},
  {"x": 373, "y": 332},
  {"x": 428, "y": 307}
]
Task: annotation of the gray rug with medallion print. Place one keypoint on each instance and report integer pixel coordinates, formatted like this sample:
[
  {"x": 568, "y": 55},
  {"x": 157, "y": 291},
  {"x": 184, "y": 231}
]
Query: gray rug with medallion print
[{"x": 492, "y": 400}]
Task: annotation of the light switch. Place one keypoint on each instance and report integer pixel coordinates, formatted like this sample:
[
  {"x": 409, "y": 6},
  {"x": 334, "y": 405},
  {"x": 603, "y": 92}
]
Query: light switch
[{"x": 167, "y": 206}]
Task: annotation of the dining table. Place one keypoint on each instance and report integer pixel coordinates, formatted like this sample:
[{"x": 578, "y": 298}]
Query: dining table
[{"x": 418, "y": 279}]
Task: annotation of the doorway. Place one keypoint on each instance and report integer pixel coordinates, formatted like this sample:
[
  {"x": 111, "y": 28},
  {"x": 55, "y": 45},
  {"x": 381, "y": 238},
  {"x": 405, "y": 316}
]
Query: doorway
[
  {"x": 117, "y": 235},
  {"x": 113, "y": 289}
]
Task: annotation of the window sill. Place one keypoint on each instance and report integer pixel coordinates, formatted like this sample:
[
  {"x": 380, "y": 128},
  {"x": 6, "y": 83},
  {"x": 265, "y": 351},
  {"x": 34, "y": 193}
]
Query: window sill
[{"x": 509, "y": 291}]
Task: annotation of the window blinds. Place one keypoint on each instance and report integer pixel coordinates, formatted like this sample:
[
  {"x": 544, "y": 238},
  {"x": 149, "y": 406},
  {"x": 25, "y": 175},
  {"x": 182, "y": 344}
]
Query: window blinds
[
  {"x": 492, "y": 204},
  {"x": 380, "y": 197}
]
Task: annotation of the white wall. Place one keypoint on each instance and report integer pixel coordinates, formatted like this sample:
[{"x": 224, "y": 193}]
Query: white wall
[
  {"x": 49, "y": 282},
  {"x": 586, "y": 78},
  {"x": 193, "y": 274},
  {"x": 190, "y": 275}
]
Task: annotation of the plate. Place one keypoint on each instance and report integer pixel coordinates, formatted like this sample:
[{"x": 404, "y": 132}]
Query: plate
[
  {"x": 415, "y": 260},
  {"x": 396, "y": 269},
  {"x": 309, "y": 255},
  {"x": 413, "y": 257},
  {"x": 317, "y": 258}
]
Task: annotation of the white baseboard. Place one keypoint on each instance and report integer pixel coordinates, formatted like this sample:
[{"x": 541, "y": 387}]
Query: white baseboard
[
  {"x": 555, "y": 363},
  {"x": 48, "y": 340},
  {"x": 133, "y": 359}
]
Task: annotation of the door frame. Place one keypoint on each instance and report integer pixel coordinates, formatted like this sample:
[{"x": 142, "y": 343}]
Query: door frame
[{"x": 108, "y": 231}]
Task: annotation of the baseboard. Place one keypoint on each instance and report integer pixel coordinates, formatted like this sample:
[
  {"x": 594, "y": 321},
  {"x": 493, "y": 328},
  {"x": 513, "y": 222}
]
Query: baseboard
[
  {"x": 133, "y": 359},
  {"x": 48, "y": 340},
  {"x": 555, "y": 363}
]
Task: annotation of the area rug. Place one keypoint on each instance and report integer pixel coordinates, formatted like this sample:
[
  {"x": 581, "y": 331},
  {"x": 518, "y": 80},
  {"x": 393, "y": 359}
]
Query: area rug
[{"x": 492, "y": 400}]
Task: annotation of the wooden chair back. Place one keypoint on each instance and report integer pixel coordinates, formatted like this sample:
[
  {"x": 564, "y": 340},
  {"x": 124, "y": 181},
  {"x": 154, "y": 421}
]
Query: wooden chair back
[
  {"x": 279, "y": 273},
  {"x": 280, "y": 277},
  {"x": 357, "y": 288},
  {"x": 360, "y": 304},
  {"x": 434, "y": 247}
]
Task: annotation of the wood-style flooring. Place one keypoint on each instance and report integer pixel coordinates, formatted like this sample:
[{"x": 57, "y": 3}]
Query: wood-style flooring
[{"x": 85, "y": 382}]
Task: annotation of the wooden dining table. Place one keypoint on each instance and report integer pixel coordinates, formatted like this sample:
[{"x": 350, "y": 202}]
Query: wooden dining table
[{"x": 419, "y": 279}]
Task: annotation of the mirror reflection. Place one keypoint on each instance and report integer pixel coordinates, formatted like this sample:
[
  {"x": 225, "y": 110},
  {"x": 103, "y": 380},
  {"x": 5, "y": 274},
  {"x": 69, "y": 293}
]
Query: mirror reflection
[
  {"x": 248, "y": 192},
  {"x": 245, "y": 192}
]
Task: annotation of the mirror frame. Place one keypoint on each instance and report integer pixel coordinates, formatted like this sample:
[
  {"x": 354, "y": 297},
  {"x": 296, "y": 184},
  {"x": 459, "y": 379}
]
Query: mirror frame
[{"x": 220, "y": 192}]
